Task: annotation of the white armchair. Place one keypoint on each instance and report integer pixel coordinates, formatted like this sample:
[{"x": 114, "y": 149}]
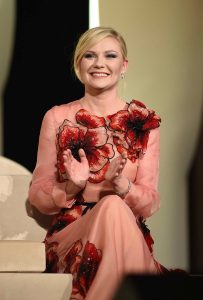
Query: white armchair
[{"x": 22, "y": 251}]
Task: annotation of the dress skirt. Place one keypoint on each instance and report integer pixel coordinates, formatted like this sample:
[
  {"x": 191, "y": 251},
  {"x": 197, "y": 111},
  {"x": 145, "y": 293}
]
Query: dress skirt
[{"x": 99, "y": 243}]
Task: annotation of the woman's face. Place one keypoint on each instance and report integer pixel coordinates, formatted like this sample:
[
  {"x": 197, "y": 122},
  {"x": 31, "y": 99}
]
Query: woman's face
[{"x": 102, "y": 64}]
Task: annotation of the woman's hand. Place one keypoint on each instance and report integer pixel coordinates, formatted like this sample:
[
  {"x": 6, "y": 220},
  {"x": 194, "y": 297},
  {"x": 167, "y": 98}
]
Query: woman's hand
[
  {"x": 77, "y": 171},
  {"x": 116, "y": 167},
  {"x": 120, "y": 183}
]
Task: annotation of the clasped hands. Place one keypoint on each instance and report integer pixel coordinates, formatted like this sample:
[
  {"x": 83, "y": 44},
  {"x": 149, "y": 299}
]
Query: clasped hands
[{"x": 78, "y": 171}]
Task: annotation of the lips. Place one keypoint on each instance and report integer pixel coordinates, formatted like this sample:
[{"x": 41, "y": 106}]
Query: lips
[{"x": 96, "y": 74}]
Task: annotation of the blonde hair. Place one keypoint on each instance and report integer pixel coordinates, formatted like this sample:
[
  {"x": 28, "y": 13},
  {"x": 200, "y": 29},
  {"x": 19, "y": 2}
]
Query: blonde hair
[{"x": 90, "y": 38}]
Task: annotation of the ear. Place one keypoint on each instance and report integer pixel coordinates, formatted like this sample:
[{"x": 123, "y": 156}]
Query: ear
[{"x": 125, "y": 65}]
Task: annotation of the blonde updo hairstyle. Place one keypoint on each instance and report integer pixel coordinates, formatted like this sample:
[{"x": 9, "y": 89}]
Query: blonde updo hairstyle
[{"x": 90, "y": 38}]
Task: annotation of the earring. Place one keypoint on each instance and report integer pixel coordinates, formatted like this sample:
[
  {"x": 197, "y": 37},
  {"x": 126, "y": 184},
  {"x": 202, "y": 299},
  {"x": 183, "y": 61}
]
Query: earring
[{"x": 122, "y": 75}]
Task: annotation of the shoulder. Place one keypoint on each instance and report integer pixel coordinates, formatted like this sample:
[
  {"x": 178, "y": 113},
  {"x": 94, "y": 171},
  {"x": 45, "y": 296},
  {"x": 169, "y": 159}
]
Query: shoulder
[
  {"x": 62, "y": 111},
  {"x": 63, "y": 108},
  {"x": 144, "y": 115},
  {"x": 139, "y": 104}
]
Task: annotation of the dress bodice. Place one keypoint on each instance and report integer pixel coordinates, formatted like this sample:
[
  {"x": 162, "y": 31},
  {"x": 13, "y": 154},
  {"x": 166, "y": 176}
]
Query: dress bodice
[{"x": 104, "y": 138}]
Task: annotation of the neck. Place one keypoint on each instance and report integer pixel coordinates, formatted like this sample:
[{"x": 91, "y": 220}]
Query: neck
[{"x": 103, "y": 103}]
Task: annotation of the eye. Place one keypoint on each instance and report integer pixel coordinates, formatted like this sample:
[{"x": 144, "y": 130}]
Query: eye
[
  {"x": 89, "y": 55},
  {"x": 111, "y": 55}
]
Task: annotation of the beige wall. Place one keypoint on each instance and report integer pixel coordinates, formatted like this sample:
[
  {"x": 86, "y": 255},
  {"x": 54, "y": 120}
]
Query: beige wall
[
  {"x": 7, "y": 27},
  {"x": 165, "y": 71}
]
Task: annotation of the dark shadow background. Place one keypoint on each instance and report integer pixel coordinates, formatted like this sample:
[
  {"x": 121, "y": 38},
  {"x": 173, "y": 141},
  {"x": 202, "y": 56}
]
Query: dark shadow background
[
  {"x": 174, "y": 286},
  {"x": 41, "y": 71}
]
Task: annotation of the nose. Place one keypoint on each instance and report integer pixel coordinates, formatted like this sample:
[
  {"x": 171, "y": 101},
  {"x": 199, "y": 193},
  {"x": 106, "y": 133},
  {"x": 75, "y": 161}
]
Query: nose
[{"x": 99, "y": 62}]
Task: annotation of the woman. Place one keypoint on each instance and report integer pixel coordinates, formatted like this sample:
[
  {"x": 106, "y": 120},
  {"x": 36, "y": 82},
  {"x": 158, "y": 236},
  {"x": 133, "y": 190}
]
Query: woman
[{"x": 97, "y": 171}]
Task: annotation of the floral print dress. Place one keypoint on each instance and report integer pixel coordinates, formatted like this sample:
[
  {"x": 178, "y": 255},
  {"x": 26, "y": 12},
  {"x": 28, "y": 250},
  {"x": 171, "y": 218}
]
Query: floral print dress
[{"x": 100, "y": 237}]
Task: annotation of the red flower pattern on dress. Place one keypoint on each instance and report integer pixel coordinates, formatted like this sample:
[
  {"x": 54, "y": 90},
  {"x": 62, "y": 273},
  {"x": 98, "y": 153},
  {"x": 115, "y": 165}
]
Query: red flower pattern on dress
[
  {"x": 73, "y": 259},
  {"x": 90, "y": 134},
  {"x": 146, "y": 233},
  {"x": 83, "y": 266},
  {"x": 51, "y": 257},
  {"x": 67, "y": 215},
  {"x": 81, "y": 262},
  {"x": 64, "y": 218},
  {"x": 131, "y": 128},
  {"x": 88, "y": 267},
  {"x": 84, "y": 118}
]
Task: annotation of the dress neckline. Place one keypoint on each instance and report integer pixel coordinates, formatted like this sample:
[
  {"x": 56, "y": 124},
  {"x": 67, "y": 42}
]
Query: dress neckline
[{"x": 126, "y": 104}]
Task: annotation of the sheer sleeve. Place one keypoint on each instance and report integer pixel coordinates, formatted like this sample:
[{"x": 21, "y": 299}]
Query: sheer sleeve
[
  {"x": 45, "y": 188},
  {"x": 144, "y": 198}
]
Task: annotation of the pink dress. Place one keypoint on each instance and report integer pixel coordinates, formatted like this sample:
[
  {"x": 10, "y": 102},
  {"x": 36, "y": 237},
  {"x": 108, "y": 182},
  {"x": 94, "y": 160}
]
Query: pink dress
[{"x": 100, "y": 237}]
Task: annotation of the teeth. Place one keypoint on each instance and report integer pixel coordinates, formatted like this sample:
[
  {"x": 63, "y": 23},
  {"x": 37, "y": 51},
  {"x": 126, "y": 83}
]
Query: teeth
[{"x": 99, "y": 74}]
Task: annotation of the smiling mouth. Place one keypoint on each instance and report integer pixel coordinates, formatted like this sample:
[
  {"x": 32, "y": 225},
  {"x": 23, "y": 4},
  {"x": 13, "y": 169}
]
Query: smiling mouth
[{"x": 99, "y": 74}]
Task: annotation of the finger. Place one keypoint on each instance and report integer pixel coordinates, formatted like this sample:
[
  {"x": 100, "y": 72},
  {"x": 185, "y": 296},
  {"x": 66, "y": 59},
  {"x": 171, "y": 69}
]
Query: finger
[
  {"x": 121, "y": 168},
  {"x": 65, "y": 153},
  {"x": 69, "y": 154},
  {"x": 117, "y": 167},
  {"x": 69, "y": 157},
  {"x": 124, "y": 154},
  {"x": 82, "y": 155},
  {"x": 64, "y": 158},
  {"x": 124, "y": 161}
]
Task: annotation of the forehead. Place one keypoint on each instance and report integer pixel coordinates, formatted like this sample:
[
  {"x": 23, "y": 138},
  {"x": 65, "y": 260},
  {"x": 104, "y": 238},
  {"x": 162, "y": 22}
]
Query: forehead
[{"x": 106, "y": 44}]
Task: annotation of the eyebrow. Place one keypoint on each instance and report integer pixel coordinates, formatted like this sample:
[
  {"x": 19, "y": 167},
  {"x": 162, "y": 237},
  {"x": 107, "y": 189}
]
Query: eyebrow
[{"x": 107, "y": 51}]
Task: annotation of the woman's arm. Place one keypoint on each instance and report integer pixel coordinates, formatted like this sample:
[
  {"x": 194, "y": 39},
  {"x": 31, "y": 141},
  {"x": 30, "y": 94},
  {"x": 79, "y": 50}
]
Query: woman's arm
[
  {"x": 143, "y": 197},
  {"x": 45, "y": 192}
]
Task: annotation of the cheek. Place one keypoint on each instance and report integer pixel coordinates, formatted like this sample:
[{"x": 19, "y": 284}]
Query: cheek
[
  {"x": 84, "y": 67},
  {"x": 82, "y": 70},
  {"x": 118, "y": 68},
  {"x": 117, "y": 72}
]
